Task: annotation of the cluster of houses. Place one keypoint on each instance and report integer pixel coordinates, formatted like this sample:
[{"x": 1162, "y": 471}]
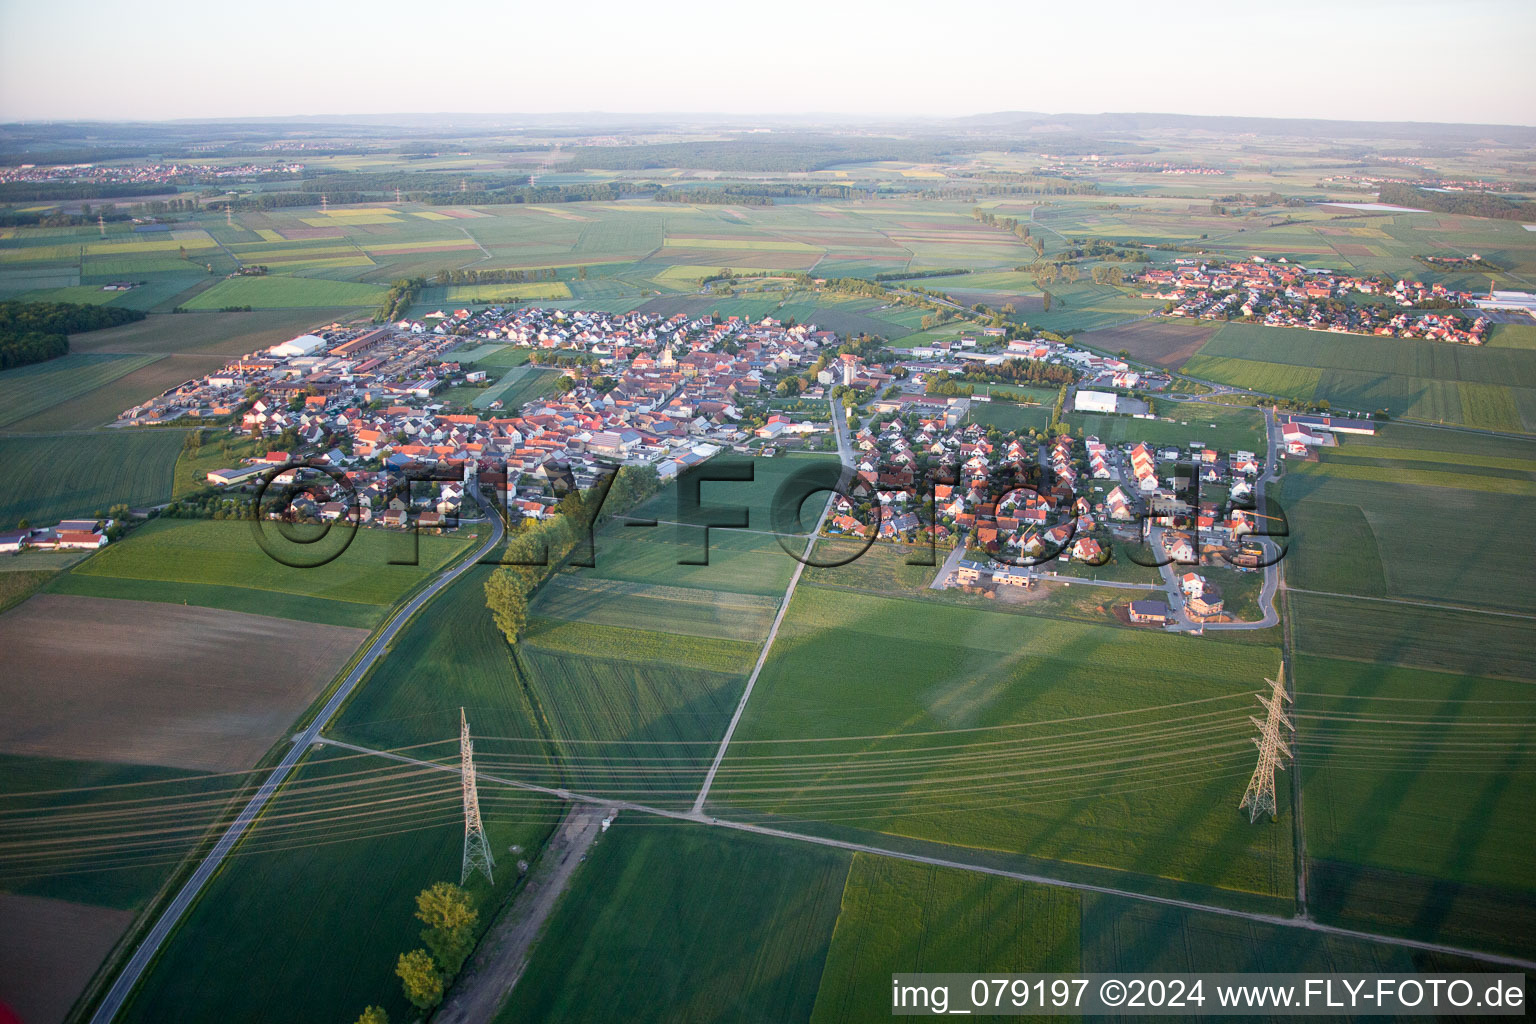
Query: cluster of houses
[
  {"x": 655, "y": 390},
  {"x": 69, "y": 535},
  {"x": 1065, "y": 514},
  {"x": 142, "y": 174},
  {"x": 1279, "y": 293}
]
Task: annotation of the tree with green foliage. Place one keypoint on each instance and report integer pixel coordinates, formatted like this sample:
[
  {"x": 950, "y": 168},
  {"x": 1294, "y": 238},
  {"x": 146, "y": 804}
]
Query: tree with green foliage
[
  {"x": 373, "y": 1015},
  {"x": 420, "y": 978},
  {"x": 506, "y": 595},
  {"x": 450, "y": 916}
]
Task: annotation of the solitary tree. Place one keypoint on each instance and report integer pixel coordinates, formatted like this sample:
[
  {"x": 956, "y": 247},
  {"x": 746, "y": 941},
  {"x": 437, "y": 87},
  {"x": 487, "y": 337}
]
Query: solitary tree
[
  {"x": 506, "y": 596},
  {"x": 373, "y": 1015},
  {"x": 420, "y": 978}
]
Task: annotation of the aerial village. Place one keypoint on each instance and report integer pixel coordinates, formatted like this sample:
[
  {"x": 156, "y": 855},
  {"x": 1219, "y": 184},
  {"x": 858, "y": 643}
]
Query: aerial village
[
  {"x": 1279, "y": 293},
  {"x": 638, "y": 388},
  {"x": 1021, "y": 509},
  {"x": 368, "y": 404}
]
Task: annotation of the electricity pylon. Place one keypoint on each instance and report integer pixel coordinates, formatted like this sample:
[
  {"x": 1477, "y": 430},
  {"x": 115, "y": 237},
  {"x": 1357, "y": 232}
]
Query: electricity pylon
[
  {"x": 477, "y": 850},
  {"x": 1260, "y": 796}
]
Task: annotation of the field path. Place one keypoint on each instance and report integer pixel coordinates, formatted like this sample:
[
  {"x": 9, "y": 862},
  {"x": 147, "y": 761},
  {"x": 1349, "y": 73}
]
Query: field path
[
  {"x": 171, "y": 916},
  {"x": 1416, "y": 604},
  {"x": 503, "y": 954},
  {"x": 845, "y": 453}
]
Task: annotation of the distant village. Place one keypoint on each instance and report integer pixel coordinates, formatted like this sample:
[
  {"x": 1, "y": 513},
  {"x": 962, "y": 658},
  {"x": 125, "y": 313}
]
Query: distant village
[
  {"x": 1278, "y": 293},
  {"x": 143, "y": 174}
]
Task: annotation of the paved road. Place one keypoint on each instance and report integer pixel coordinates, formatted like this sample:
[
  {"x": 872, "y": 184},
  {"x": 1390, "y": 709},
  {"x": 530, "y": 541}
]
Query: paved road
[
  {"x": 1100, "y": 583},
  {"x": 949, "y": 566},
  {"x": 1303, "y": 924},
  {"x": 1171, "y": 571},
  {"x": 1272, "y": 571},
  {"x": 129, "y": 977},
  {"x": 845, "y": 453}
]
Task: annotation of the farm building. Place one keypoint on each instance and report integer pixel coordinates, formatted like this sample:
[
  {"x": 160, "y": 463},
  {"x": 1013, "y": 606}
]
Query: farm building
[
  {"x": 225, "y": 477},
  {"x": 1333, "y": 424},
  {"x": 1095, "y": 401}
]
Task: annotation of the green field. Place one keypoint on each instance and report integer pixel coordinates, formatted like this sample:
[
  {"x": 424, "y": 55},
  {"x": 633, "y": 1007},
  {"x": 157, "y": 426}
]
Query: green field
[
  {"x": 221, "y": 565},
  {"x": 333, "y": 867},
  {"x": 627, "y": 674},
  {"x": 1009, "y": 733},
  {"x": 678, "y": 922},
  {"x": 1442, "y": 524},
  {"x": 1411, "y": 786},
  {"x": 28, "y": 390},
  {"x": 50, "y": 478},
  {"x": 1299, "y": 382},
  {"x": 286, "y": 292},
  {"x": 688, "y": 611},
  {"x": 1486, "y": 387},
  {"x": 1010, "y": 417},
  {"x": 68, "y": 843},
  {"x": 1433, "y": 637},
  {"x": 494, "y": 357},
  {"x": 622, "y": 716},
  {"x": 1119, "y": 936},
  {"x": 898, "y": 916}
]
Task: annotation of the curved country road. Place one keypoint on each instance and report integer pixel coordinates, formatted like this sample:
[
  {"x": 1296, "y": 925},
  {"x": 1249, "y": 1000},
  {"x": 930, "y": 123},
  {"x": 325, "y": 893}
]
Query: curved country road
[{"x": 123, "y": 985}]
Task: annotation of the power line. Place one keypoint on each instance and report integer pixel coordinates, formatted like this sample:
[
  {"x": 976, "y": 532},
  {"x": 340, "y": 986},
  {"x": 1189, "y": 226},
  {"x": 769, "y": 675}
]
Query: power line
[
  {"x": 1260, "y": 795},
  {"x": 477, "y": 851}
]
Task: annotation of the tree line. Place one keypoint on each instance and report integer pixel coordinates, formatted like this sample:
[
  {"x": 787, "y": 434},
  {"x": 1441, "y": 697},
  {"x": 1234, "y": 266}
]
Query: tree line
[
  {"x": 449, "y": 277},
  {"x": 537, "y": 549},
  {"x": 784, "y": 153},
  {"x": 31, "y": 332},
  {"x": 1470, "y": 204},
  {"x": 398, "y": 299},
  {"x": 1012, "y": 225}
]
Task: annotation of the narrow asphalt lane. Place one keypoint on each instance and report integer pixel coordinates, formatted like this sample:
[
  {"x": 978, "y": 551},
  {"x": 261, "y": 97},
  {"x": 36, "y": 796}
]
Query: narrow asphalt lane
[{"x": 171, "y": 916}]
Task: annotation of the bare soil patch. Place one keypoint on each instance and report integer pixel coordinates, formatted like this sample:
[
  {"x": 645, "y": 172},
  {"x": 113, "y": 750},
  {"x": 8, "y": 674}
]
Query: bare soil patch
[
  {"x": 141, "y": 682},
  {"x": 48, "y": 951},
  {"x": 1167, "y": 343}
]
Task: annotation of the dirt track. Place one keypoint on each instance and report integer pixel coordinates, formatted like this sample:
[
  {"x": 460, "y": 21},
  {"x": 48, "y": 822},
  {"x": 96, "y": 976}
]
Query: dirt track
[
  {"x": 140, "y": 682},
  {"x": 503, "y": 954}
]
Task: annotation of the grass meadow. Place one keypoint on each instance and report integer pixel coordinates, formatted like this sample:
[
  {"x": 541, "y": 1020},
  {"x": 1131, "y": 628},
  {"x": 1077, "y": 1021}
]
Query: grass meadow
[
  {"x": 1489, "y": 387},
  {"x": 1442, "y": 524}
]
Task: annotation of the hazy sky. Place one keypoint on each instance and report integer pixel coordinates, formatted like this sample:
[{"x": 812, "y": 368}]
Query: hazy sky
[{"x": 1463, "y": 60}]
